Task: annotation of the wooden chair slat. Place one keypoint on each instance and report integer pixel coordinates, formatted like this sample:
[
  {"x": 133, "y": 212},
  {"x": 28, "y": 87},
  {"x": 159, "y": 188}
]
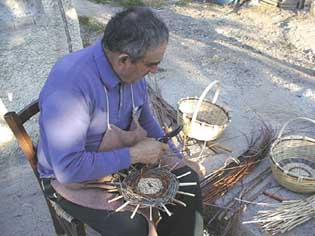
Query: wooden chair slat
[
  {"x": 30, "y": 110},
  {"x": 22, "y": 137},
  {"x": 16, "y": 122}
]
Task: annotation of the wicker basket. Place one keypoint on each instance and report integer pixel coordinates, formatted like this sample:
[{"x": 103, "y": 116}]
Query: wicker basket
[
  {"x": 293, "y": 160},
  {"x": 202, "y": 119},
  {"x": 132, "y": 190}
]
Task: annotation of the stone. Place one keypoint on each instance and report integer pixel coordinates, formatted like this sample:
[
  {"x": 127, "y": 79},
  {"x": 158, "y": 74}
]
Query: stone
[{"x": 34, "y": 34}]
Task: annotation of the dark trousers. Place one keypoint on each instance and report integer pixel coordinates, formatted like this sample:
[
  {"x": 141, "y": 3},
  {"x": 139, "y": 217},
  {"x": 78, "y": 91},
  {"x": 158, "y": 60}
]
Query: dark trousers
[{"x": 185, "y": 221}]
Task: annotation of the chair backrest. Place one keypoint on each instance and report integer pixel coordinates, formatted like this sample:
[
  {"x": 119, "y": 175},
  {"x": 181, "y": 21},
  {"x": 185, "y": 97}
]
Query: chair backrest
[
  {"x": 63, "y": 223},
  {"x": 16, "y": 123}
]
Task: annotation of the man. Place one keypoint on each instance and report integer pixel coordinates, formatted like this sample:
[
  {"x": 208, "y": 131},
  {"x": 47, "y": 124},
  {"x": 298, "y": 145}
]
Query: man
[{"x": 96, "y": 120}]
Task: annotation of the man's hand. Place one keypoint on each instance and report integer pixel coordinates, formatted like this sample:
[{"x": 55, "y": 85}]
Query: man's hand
[{"x": 147, "y": 151}]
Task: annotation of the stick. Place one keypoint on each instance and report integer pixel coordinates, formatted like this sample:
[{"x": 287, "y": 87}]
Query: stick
[
  {"x": 273, "y": 196},
  {"x": 115, "y": 199},
  {"x": 134, "y": 212},
  {"x": 185, "y": 193},
  {"x": 185, "y": 174},
  {"x": 188, "y": 184},
  {"x": 166, "y": 210},
  {"x": 179, "y": 202},
  {"x": 122, "y": 206}
]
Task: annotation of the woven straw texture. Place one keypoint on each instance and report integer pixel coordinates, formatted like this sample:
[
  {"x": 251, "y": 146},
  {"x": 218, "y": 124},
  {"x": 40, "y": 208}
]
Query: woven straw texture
[
  {"x": 209, "y": 115},
  {"x": 293, "y": 162},
  {"x": 202, "y": 119},
  {"x": 161, "y": 189}
]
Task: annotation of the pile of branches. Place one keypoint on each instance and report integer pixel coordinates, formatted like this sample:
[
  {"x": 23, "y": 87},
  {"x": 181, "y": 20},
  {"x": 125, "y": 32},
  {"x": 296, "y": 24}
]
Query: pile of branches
[
  {"x": 287, "y": 216},
  {"x": 164, "y": 112},
  {"x": 220, "y": 181}
]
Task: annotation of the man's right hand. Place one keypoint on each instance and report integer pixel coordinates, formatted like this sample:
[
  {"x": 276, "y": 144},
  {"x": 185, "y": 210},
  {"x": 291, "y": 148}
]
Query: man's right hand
[{"x": 147, "y": 151}]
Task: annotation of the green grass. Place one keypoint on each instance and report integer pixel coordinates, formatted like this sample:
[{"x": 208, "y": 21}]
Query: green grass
[
  {"x": 129, "y": 3},
  {"x": 183, "y": 3},
  {"x": 89, "y": 27},
  {"x": 91, "y": 24}
]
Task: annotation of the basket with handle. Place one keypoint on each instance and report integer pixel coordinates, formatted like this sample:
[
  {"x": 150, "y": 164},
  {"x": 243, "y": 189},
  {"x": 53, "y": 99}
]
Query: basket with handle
[
  {"x": 202, "y": 119},
  {"x": 293, "y": 160}
]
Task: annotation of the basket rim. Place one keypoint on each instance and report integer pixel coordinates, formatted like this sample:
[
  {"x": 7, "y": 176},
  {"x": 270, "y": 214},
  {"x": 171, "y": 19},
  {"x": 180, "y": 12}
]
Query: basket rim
[
  {"x": 276, "y": 164},
  {"x": 208, "y": 101}
]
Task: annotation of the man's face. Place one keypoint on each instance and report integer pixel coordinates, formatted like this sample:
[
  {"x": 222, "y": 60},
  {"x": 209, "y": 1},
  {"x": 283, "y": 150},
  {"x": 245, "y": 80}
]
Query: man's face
[{"x": 134, "y": 71}]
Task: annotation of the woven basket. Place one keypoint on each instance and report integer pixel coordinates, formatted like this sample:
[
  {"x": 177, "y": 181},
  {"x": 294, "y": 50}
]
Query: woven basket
[
  {"x": 136, "y": 193},
  {"x": 202, "y": 119},
  {"x": 293, "y": 160}
]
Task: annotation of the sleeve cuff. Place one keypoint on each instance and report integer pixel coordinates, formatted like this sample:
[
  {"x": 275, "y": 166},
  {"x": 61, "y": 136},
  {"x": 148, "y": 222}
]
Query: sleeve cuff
[{"x": 124, "y": 158}]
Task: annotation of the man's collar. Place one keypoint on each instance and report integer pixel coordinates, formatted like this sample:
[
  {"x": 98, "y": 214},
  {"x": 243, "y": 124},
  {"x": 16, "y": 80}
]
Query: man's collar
[{"x": 108, "y": 76}]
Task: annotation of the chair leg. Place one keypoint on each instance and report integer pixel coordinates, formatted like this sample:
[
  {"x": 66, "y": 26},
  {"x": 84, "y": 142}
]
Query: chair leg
[
  {"x": 78, "y": 228},
  {"x": 67, "y": 227},
  {"x": 58, "y": 227},
  {"x": 75, "y": 228},
  {"x": 65, "y": 223}
]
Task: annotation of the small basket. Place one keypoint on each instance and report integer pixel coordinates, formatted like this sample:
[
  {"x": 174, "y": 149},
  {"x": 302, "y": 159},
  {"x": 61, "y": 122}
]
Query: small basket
[
  {"x": 133, "y": 192},
  {"x": 202, "y": 119},
  {"x": 293, "y": 160}
]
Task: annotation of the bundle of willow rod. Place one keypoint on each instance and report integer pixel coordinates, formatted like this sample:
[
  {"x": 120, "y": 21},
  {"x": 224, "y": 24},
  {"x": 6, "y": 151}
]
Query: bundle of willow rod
[
  {"x": 164, "y": 112},
  {"x": 220, "y": 181},
  {"x": 284, "y": 218},
  {"x": 235, "y": 205}
]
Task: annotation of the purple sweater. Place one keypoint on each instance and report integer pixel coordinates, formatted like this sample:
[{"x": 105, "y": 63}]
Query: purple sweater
[{"x": 73, "y": 117}]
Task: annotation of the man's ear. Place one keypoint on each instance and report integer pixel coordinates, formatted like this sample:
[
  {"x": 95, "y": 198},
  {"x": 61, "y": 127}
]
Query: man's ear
[{"x": 123, "y": 59}]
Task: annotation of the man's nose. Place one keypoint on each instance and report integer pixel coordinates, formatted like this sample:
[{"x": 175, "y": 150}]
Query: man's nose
[{"x": 153, "y": 69}]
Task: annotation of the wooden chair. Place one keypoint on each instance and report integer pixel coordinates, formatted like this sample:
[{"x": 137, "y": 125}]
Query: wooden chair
[{"x": 64, "y": 223}]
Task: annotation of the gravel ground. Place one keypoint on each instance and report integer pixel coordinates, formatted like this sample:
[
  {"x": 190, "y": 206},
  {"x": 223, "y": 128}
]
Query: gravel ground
[{"x": 263, "y": 57}]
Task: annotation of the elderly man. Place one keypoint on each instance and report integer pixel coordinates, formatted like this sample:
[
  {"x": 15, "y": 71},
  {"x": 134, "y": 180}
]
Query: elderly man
[{"x": 95, "y": 120}]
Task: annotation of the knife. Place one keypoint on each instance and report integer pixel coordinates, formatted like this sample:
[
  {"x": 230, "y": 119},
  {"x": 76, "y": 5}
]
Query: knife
[{"x": 171, "y": 134}]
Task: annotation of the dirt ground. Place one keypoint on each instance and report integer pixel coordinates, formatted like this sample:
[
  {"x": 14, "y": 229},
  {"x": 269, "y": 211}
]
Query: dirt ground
[
  {"x": 263, "y": 57},
  {"x": 253, "y": 52}
]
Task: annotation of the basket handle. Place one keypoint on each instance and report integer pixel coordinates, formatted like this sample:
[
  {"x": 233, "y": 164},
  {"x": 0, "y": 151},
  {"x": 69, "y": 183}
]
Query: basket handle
[
  {"x": 294, "y": 119},
  {"x": 203, "y": 95}
]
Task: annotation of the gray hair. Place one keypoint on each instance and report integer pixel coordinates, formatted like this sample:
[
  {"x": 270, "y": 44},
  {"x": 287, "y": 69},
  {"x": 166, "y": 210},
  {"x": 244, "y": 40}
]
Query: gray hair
[{"x": 135, "y": 31}]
